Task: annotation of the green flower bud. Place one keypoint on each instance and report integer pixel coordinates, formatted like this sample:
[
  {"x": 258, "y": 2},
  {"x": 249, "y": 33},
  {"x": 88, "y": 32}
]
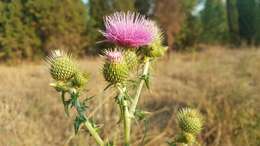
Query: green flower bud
[
  {"x": 79, "y": 79},
  {"x": 62, "y": 68},
  {"x": 155, "y": 48},
  {"x": 115, "y": 70},
  {"x": 131, "y": 59},
  {"x": 190, "y": 120},
  {"x": 186, "y": 138}
]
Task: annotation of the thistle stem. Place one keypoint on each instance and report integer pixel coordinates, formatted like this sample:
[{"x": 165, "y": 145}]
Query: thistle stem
[
  {"x": 139, "y": 89},
  {"x": 135, "y": 101},
  {"x": 127, "y": 126},
  {"x": 126, "y": 118},
  {"x": 93, "y": 132}
]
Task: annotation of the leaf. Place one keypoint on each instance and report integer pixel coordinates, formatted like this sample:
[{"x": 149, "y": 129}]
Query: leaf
[
  {"x": 140, "y": 115},
  {"x": 146, "y": 79},
  {"x": 77, "y": 122}
]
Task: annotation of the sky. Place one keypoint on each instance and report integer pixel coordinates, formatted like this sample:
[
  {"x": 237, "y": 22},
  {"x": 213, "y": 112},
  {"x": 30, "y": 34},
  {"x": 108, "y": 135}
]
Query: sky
[{"x": 85, "y": 1}]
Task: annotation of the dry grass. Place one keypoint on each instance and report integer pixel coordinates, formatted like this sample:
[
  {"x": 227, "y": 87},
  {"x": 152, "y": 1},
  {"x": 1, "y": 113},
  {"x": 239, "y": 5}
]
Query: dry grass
[{"x": 223, "y": 84}]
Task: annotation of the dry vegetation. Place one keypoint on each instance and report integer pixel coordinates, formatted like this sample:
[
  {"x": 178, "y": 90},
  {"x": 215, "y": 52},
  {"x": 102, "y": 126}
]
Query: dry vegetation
[{"x": 223, "y": 84}]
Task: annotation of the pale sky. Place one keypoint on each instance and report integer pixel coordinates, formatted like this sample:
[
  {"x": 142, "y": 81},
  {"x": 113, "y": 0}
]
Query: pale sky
[{"x": 85, "y": 1}]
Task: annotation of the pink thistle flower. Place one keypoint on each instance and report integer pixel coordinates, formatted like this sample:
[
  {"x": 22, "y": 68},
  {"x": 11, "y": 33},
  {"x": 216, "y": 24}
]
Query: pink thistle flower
[
  {"x": 113, "y": 56},
  {"x": 129, "y": 29}
]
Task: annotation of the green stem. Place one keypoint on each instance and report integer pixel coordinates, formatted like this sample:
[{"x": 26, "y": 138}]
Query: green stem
[
  {"x": 93, "y": 132},
  {"x": 126, "y": 118},
  {"x": 128, "y": 114},
  {"x": 127, "y": 126},
  {"x": 139, "y": 89}
]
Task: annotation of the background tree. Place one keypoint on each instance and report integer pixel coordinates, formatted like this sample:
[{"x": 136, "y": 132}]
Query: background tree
[
  {"x": 214, "y": 22},
  {"x": 257, "y": 22},
  {"x": 17, "y": 38},
  {"x": 31, "y": 27},
  {"x": 232, "y": 17},
  {"x": 170, "y": 17},
  {"x": 145, "y": 7},
  {"x": 246, "y": 19},
  {"x": 58, "y": 23}
]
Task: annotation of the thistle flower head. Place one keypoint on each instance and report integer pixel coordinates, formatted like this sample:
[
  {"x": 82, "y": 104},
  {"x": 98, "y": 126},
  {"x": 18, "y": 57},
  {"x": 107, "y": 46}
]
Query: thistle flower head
[
  {"x": 62, "y": 68},
  {"x": 129, "y": 29},
  {"x": 190, "y": 120},
  {"x": 115, "y": 70}
]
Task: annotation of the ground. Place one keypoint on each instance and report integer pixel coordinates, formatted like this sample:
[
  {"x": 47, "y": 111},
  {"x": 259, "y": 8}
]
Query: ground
[{"x": 223, "y": 84}]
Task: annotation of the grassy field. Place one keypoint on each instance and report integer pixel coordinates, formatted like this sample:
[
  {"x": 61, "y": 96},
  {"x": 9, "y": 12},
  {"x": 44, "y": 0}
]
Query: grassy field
[{"x": 223, "y": 84}]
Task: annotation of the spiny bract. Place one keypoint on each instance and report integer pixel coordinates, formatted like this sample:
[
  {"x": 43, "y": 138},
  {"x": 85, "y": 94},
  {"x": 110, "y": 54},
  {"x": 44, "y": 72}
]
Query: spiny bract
[
  {"x": 131, "y": 59},
  {"x": 115, "y": 72},
  {"x": 62, "y": 68},
  {"x": 190, "y": 120}
]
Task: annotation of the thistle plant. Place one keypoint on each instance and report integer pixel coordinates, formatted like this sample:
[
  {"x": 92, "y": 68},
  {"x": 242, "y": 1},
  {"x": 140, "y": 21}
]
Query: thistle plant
[{"x": 137, "y": 43}]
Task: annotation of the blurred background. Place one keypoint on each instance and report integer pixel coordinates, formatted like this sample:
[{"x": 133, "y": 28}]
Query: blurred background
[{"x": 213, "y": 64}]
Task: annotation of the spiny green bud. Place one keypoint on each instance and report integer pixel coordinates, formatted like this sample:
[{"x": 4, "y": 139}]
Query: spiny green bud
[
  {"x": 155, "y": 48},
  {"x": 190, "y": 120},
  {"x": 79, "y": 79},
  {"x": 186, "y": 138},
  {"x": 131, "y": 59},
  {"x": 115, "y": 70},
  {"x": 62, "y": 68}
]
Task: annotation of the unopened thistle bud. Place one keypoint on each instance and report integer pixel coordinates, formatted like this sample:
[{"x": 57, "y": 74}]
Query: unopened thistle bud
[
  {"x": 115, "y": 70},
  {"x": 131, "y": 59},
  {"x": 155, "y": 48},
  {"x": 62, "y": 68},
  {"x": 79, "y": 79},
  {"x": 186, "y": 138},
  {"x": 190, "y": 120}
]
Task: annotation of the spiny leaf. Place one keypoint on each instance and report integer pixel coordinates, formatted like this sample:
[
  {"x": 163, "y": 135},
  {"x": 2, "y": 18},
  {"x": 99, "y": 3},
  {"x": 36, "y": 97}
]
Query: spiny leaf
[
  {"x": 77, "y": 122},
  {"x": 139, "y": 114},
  {"x": 146, "y": 79}
]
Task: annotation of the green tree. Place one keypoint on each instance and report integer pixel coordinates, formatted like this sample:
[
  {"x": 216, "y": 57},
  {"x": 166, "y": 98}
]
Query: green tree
[
  {"x": 31, "y": 27},
  {"x": 247, "y": 15},
  {"x": 214, "y": 22},
  {"x": 257, "y": 22},
  {"x": 145, "y": 7},
  {"x": 59, "y": 23},
  {"x": 232, "y": 17},
  {"x": 17, "y": 39}
]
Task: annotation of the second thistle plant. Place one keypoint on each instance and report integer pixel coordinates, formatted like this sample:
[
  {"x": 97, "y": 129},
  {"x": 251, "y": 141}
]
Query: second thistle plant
[{"x": 140, "y": 42}]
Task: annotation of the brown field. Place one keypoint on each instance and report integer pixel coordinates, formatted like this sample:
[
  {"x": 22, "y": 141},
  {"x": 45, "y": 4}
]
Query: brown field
[{"x": 223, "y": 84}]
